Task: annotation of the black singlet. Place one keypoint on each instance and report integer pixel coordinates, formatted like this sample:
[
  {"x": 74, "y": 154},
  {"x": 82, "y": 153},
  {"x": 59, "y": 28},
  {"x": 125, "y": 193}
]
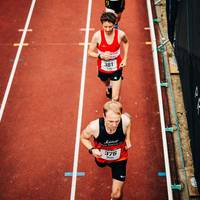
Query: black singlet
[
  {"x": 106, "y": 139},
  {"x": 116, "y": 5}
]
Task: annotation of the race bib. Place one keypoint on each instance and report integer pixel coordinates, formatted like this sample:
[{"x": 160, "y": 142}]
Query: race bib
[
  {"x": 109, "y": 65},
  {"x": 110, "y": 154}
]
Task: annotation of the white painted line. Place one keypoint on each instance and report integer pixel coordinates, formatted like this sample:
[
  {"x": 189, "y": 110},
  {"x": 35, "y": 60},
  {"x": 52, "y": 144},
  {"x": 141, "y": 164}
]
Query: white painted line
[
  {"x": 18, "y": 44},
  {"x": 16, "y": 60},
  {"x": 83, "y": 43},
  {"x": 84, "y": 29},
  {"x": 80, "y": 107},
  {"x": 146, "y": 28},
  {"x": 148, "y": 43},
  {"x": 160, "y": 102},
  {"x": 28, "y": 30}
]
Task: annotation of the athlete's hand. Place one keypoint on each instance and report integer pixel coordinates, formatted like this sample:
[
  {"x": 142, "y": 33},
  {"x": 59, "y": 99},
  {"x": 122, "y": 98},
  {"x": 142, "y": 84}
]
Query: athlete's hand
[
  {"x": 123, "y": 63},
  {"x": 128, "y": 145},
  {"x": 96, "y": 153},
  {"x": 106, "y": 55}
]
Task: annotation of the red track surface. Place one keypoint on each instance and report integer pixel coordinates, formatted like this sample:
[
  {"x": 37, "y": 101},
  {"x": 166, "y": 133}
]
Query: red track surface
[{"x": 39, "y": 123}]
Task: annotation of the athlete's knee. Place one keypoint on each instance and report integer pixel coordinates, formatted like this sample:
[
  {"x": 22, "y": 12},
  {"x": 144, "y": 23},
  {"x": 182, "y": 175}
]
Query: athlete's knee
[
  {"x": 117, "y": 194},
  {"x": 115, "y": 98}
]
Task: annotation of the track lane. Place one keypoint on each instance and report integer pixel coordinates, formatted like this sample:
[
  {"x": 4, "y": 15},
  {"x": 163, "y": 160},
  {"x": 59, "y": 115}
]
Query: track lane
[
  {"x": 40, "y": 117},
  {"x": 10, "y": 23},
  {"x": 140, "y": 100}
]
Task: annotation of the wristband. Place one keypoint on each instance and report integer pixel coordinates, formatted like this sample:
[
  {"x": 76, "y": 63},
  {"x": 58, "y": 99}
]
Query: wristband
[{"x": 90, "y": 150}]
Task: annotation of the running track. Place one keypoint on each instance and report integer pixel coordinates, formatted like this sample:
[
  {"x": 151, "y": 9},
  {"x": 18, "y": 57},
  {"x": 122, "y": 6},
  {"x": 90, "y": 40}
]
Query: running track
[{"x": 39, "y": 123}]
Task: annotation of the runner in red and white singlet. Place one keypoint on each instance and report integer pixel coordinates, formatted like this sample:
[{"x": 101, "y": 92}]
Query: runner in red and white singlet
[
  {"x": 105, "y": 46},
  {"x": 112, "y": 65}
]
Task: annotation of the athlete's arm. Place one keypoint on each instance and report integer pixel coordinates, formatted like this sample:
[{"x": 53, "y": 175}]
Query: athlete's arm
[
  {"x": 89, "y": 132},
  {"x": 93, "y": 45},
  {"x": 125, "y": 43},
  {"x": 92, "y": 48},
  {"x": 127, "y": 129}
]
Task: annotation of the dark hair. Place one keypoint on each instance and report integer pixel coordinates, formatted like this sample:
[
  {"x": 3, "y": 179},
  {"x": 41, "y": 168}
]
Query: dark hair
[{"x": 108, "y": 17}]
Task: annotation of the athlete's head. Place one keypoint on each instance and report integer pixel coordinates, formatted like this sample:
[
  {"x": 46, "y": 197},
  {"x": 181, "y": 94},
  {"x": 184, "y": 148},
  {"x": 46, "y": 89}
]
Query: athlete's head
[
  {"x": 108, "y": 17},
  {"x": 113, "y": 106},
  {"x": 108, "y": 20},
  {"x": 112, "y": 111}
]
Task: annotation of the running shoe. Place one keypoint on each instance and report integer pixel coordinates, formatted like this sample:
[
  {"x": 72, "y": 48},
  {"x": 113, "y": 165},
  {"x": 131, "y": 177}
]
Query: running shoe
[{"x": 109, "y": 93}]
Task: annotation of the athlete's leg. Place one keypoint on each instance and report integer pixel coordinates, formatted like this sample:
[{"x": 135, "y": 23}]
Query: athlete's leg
[
  {"x": 100, "y": 164},
  {"x": 116, "y": 87},
  {"x": 117, "y": 190},
  {"x": 106, "y": 81},
  {"x": 115, "y": 80},
  {"x": 118, "y": 179},
  {"x": 120, "y": 9}
]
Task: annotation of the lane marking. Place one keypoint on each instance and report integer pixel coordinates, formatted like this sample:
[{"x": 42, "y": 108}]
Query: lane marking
[
  {"x": 18, "y": 44},
  {"x": 161, "y": 173},
  {"x": 14, "y": 67},
  {"x": 80, "y": 107},
  {"x": 83, "y": 43},
  {"x": 77, "y": 174},
  {"x": 160, "y": 101},
  {"x": 84, "y": 29},
  {"x": 146, "y": 28},
  {"x": 28, "y": 30},
  {"x": 148, "y": 43},
  {"x": 11, "y": 60}
]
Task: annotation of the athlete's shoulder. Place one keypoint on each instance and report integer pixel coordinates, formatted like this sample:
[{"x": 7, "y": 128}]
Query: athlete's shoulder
[
  {"x": 126, "y": 119},
  {"x": 96, "y": 37},
  {"x": 121, "y": 32},
  {"x": 97, "y": 34},
  {"x": 94, "y": 126}
]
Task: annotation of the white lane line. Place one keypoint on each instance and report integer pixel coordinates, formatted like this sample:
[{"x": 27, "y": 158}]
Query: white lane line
[
  {"x": 84, "y": 29},
  {"x": 83, "y": 43},
  {"x": 80, "y": 108},
  {"x": 16, "y": 59},
  {"x": 28, "y": 30},
  {"x": 18, "y": 44},
  {"x": 160, "y": 101}
]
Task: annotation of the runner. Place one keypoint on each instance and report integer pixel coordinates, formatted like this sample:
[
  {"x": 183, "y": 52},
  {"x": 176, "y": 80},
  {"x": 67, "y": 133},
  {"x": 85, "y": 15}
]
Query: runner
[
  {"x": 116, "y": 7},
  {"x": 111, "y": 135},
  {"x": 107, "y": 41}
]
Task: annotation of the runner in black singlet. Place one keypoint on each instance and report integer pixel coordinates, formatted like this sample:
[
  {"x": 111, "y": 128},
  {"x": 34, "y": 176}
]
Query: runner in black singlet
[
  {"x": 115, "y": 6},
  {"x": 111, "y": 141}
]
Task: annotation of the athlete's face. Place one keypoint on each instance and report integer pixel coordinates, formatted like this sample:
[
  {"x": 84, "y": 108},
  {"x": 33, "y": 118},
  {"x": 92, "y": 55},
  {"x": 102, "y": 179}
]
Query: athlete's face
[
  {"x": 112, "y": 120},
  {"x": 108, "y": 27}
]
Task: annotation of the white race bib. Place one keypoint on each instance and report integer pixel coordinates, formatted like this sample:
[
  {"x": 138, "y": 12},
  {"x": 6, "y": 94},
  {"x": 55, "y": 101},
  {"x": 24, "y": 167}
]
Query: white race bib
[
  {"x": 109, "y": 65},
  {"x": 110, "y": 154}
]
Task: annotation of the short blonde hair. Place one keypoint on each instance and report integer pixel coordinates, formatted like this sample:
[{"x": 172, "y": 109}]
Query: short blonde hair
[{"x": 115, "y": 106}]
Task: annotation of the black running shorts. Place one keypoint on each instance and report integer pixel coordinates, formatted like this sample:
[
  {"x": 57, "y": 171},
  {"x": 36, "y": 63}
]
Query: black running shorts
[
  {"x": 118, "y": 169},
  {"x": 115, "y": 76}
]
